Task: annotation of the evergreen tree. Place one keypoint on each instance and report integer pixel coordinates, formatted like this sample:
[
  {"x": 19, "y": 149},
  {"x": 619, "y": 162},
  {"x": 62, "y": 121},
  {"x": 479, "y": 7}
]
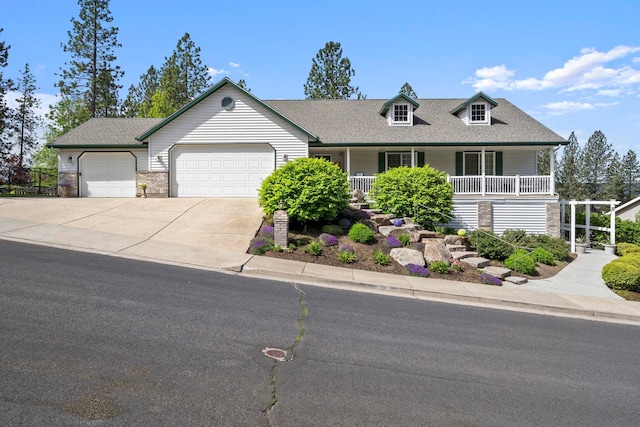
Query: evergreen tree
[
  {"x": 613, "y": 188},
  {"x": 408, "y": 90},
  {"x": 139, "y": 99},
  {"x": 243, "y": 85},
  {"x": 183, "y": 77},
  {"x": 595, "y": 159},
  {"x": 330, "y": 75},
  {"x": 630, "y": 170},
  {"x": 544, "y": 159},
  {"x": 6, "y": 114},
  {"x": 27, "y": 121},
  {"x": 569, "y": 185},
  {"x": 91, "y": 76}
]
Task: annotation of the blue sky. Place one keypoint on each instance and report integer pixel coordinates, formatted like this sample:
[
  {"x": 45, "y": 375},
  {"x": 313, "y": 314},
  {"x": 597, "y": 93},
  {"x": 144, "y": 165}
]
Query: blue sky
[{"x": 574, "y": 66}]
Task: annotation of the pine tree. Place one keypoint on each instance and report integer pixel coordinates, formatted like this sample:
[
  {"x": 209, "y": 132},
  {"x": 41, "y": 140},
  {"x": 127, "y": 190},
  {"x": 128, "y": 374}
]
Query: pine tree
[
  {"x": 595, "y": 159},
  {"x": 330, "y": 75},
  {"x": 91, "y": 76},
  {"x": 6, "y": 114},
  {"x": 243, "y": 85},
  {"x": 569, "y": 185},
  {"x": 544, "y": 160},
  {"x": 139, "y": 99},
  {"x": 408, "y": 90},
  {"x": 183, "y": 78},
  {"x": 613, "y": 188},
  {"x": 630, "y": 170},
  {"x": 27, "y": 121}
]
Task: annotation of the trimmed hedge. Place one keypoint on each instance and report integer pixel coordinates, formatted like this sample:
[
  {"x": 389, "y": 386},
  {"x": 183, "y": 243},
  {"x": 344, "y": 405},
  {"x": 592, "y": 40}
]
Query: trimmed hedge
[
  {"x": 622, "y": 247},
  {"x": 621, "y": 276},
  {"x": 361, "y": 233}
]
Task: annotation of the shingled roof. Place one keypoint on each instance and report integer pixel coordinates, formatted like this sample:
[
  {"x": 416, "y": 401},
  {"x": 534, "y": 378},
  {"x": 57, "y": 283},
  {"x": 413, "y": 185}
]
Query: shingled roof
[
  {"x": 350, "y": 122},
  {"x": 105, "y": 132}
]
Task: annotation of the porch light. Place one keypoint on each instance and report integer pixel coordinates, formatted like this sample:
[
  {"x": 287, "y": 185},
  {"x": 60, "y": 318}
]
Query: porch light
[{"x": 70, "y": 159}]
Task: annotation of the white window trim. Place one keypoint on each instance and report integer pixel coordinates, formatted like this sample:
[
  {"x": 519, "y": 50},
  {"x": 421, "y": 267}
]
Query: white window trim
[
  {"x": 479, "y": 153},
  {"x": 409, "y": 120},
  {"x": 386, "y": 158},
  {"x": 487, "y": 114}
]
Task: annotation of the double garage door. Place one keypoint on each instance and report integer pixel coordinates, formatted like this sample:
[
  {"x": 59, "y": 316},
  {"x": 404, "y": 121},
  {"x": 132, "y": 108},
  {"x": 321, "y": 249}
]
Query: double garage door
[
  {"x": 220, "y": 170},
  {"x": 107, "y": 175}
]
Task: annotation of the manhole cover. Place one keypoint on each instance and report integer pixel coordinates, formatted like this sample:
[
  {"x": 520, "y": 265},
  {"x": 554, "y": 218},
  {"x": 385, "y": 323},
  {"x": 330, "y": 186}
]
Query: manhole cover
[{"x": 275, "y": 353}]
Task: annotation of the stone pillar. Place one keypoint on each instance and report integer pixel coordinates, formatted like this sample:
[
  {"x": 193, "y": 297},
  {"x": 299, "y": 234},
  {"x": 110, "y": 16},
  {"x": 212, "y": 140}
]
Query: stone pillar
[
  {"x": 553, "y": 220},
  {"x": 157, "y": 183},
  {"x": 485, "y": 216},
  {"x": 67, "y": 184},
  {"x": 281, "y": 228}
]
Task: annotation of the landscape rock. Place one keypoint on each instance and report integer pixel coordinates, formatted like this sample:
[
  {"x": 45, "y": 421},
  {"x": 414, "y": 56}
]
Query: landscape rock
[
  {"x": 406, "y": 256},
  {"x": 382, "y": 219},
  {"x": 436, "y": 250},
  {"x": 452, "y": 239},
  {"x": 357, "y": 196},
  {"x": 418, "y": 235}
]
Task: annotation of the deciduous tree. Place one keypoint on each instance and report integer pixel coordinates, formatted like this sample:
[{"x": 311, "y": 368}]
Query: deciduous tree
[
  {"x": 330, "y": 75},
  {"x": 63, "y": 116},
  {"x": 91, "y": 75}
]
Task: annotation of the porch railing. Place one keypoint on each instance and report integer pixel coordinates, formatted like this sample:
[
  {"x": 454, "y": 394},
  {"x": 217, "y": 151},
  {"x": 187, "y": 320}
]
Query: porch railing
[{"x": 512, "y": 185}]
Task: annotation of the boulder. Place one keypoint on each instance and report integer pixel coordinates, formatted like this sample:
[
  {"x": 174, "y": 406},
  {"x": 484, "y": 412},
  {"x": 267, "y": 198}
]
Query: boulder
[
  {"x": 357, "y": 196},
  {"x": 418, "y": 235},
  {"x": 404, "y": 256},
  {"x": 436, "y": 250},
  {"x": 405, "y": 229},
  {"x": 382, "y": 219},
  {"x": 452, "y": 239}
]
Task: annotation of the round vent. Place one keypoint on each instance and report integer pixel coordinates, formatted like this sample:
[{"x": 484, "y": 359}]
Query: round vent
[{"x": 227, "y": 103}]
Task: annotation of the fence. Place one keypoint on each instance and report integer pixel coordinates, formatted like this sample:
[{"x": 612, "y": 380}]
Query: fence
[
  {"x": 43, "y": 181},
  {"x": 587, "y": 227}
]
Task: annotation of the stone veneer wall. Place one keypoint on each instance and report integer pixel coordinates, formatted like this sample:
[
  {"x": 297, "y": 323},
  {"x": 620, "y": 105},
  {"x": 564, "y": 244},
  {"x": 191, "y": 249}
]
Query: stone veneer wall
[
  {"x": 67, "y": 184},
  {"x": 485, "y": 216},
  {"x": 553, "y": 220},
  {"x": 157, "y": 183}
]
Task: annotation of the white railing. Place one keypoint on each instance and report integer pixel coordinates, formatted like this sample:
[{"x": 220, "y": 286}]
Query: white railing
[
  {"x": 514, "y": 185},
  {"x": 362, "y": 183}
]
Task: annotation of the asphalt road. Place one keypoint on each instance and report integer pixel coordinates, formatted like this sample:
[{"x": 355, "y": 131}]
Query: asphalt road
[{"x": 88, "y": 339}]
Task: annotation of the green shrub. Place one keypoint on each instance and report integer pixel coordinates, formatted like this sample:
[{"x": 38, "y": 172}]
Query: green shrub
[
  {"x": 336, "y": 230},
  {"x": 441, "y": 267},
  {"x": 621, "y": 276},
  {"x": 315, "y": 248},
  {"x": 543, "y": 256},
  {"x": 629, "y": 259},
  {"x": 555, "y": 245},
  {"x": 310, "y": 190},
  {"x": 631, "y": 250},
  {"x": 381, "y": 258},
  {"x": 361, "y": 233},
  {"x": 422, "y": 193},
  {"x": 621, "y": 247},
  {"x": 487, "y": 244},
  {"x": 627, "y": 231},
  {"x": 522, "y": 262},
  {"x": 346, "y": 254},
  {"x": 405, "y": 239},
  {"x": 515, "y": 237}
]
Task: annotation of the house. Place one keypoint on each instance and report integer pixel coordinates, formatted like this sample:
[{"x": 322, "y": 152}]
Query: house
[
  {"x": 627, "y": 211},
  {"x": 226, "y": 141}
]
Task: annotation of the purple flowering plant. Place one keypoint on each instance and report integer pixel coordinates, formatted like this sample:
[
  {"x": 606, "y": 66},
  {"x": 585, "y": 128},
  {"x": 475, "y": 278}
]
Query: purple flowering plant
[
  {"x": 393, "y": 242},
  {"x": 328, "y": 239},
  {"x": 488, "y": 279},
  {"x": 416, "y": 270}
]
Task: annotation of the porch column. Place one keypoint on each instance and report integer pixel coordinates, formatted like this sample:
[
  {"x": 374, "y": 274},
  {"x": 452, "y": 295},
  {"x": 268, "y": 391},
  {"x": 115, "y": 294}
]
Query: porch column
[
  {"x": 572, "y": 232},
  {"x": 612, "y": 226},
  {"x": 413, "y": 160},
  {"x": 348, "y": 165},
  {"x": 552, "y": 171},
  {"x": 483, "y": 183},
  {"x": 587, "y": 222}
]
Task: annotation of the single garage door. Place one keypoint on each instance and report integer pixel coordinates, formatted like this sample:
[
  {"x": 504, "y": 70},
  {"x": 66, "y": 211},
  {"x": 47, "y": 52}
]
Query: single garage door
[
  {"x": 220, "y": 170},
  {"x": 107, "y": 175}
]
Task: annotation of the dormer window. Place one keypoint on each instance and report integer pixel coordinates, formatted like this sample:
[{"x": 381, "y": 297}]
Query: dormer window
[
  {"x": 478, "y": 113},
  {"x": 401, "y": 113}
]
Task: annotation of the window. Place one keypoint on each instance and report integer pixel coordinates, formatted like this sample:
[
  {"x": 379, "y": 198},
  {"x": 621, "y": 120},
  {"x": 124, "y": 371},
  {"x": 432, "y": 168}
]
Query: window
[
  {"x": 327, "y": 157},
  {"x": 401, "y": 113},
  {"x": 395, "y": 160},
  {"x": 473, "y": 163},
  {"x": 478, "y": 113}
]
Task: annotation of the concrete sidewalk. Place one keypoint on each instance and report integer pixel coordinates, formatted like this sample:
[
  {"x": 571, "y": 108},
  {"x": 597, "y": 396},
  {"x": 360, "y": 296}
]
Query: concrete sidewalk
[{"x": 214, "y": 234}]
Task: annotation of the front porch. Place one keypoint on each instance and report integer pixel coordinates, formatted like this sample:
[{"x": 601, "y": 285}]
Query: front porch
[{"x": 516, "y": 185}]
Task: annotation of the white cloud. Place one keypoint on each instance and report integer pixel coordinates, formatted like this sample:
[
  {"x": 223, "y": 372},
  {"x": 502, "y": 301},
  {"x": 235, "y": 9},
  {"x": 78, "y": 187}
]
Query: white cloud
[
  {"x": 584, "y": 72},
  {"x": 565, "y": 107},
  {"x": 610, "y": 92},
  {"x": 215, "y": 72},
  {"x": 234, "y": 65}
]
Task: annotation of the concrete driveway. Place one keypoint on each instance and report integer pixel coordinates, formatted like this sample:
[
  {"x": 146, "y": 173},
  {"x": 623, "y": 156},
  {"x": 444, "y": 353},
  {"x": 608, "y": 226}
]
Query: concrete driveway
[{"x": 214, "y": 231}]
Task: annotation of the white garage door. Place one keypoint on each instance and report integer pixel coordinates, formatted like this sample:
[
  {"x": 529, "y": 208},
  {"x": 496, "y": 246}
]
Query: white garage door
[
  {"x": 107, "y": 175},
  {"x": 220, "y": 170}
]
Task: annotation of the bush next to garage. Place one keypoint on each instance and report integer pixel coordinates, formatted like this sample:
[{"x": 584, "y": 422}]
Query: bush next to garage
[
  {"x": 421, "y": 193},
  {"x": 309, "y": 190}
]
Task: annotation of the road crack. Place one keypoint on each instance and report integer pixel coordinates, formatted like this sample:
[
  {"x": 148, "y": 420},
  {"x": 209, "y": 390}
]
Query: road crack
[{"x": 290, "y": 354}]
